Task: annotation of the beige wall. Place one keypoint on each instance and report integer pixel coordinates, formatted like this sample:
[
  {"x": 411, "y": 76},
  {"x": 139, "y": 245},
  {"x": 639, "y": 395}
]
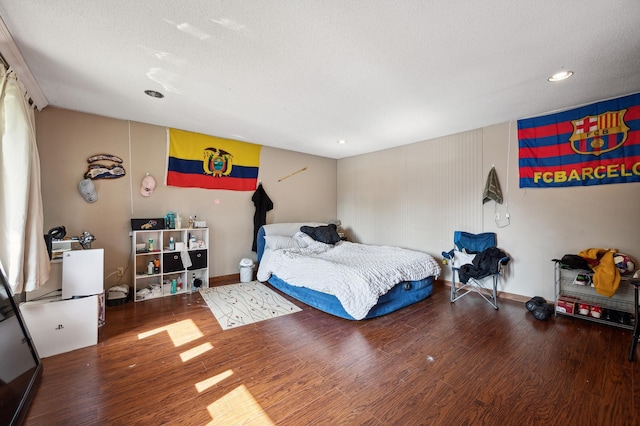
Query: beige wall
[
  {"x": 67, "y": 138},
  {"x": 415, "y": 196}
]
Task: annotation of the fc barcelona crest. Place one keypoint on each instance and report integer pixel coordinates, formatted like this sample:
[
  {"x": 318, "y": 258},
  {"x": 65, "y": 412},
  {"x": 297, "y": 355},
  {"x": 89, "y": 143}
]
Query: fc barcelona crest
[
  {"x": 217, "y": 162},
  {"x": 597, "y": 134}
]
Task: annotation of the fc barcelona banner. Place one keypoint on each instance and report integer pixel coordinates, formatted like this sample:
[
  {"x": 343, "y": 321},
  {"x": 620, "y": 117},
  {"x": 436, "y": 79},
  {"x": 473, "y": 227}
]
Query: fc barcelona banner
[
  {"x": 201, "y": 161},
  {"x": 591, "y": 145}
]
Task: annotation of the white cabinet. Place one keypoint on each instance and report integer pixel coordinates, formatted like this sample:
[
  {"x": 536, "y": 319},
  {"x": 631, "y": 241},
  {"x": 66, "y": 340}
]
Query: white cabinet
[
  {"x": 575, "y": 296},
  {"x": 82, "y": 273},
  {"x": 71, "y": 319},
  {"x": 57, "y": 326},
  {"x": 186, "y": 262}
]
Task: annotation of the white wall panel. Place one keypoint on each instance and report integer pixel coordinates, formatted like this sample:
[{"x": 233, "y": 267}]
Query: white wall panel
[
  {"x": 414, "y": 196},
  {"x": 445, "y": 190}
]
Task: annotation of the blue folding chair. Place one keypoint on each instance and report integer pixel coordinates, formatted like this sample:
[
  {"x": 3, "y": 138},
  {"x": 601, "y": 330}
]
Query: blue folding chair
[{"x": 475, "y": 261}]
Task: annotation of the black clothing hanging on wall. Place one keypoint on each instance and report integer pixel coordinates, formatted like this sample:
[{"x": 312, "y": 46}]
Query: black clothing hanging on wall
[{"x": 263, "y": 204}]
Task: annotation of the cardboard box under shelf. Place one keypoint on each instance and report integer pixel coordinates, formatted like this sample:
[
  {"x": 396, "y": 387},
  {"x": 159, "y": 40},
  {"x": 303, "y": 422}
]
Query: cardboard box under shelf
[{"x": 566, "y": 305}]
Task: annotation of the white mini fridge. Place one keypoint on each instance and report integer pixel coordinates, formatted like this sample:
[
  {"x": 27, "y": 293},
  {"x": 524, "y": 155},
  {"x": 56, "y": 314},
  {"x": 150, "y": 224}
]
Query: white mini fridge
[{"x": 82, "y": 273}]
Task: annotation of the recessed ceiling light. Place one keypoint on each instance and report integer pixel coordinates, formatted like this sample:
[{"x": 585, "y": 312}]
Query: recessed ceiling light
[
  {"x": 154, "y": 94},
  {"x": 342, "y": 141},
  {"x": 562, "y": 75}
]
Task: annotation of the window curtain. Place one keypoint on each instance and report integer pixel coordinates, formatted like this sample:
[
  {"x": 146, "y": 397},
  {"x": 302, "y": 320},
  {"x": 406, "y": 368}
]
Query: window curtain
[{"x": 23, "y": 252}]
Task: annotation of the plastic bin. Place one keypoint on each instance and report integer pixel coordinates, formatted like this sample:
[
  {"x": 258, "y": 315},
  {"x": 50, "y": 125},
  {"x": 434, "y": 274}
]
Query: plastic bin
[{"x": 246, "y": 270}]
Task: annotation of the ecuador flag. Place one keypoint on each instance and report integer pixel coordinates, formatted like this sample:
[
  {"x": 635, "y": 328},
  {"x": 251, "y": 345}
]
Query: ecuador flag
[
  {"x": 591, "y": 145},
  {"x": 200, "y": 161}
]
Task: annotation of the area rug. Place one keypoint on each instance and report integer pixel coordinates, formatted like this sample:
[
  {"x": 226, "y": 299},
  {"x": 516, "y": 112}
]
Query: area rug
[{"x": 245, "y": 303}]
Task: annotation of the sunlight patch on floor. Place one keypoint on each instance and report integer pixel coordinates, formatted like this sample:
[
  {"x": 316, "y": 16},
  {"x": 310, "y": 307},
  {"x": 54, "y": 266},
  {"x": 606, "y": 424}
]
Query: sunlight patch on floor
[
  {"x": 194, "y": 352},
  {"x": 238, "y": 407},
  {"x": 212, "y": 381},
  {"x": 180, "y": 333}
]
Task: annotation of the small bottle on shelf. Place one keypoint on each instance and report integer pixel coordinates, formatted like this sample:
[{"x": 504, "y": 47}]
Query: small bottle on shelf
[
  {"x": 172, "y": 245},
  {"x": 156, "y": 266},
  {"x": 150, "y": 268},
  {"x": 171, "y": 220},
  {"x": 174, "y": 286},
  {"x": 179, "y": 285},
  {"x": 150, "y": 245}
]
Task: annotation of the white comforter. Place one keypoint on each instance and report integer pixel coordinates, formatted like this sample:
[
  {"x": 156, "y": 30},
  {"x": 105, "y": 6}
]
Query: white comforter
[{"x": 356, "y": 274}]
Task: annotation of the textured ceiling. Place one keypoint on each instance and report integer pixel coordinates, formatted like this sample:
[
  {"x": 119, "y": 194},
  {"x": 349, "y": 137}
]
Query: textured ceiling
[{"x": 303, "y": 74}]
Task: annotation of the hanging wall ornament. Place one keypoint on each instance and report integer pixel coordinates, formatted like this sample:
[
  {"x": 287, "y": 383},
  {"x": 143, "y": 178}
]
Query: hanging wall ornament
[
  {"x": 103, "y": 157},
  {"x": 101, "y": 171}
]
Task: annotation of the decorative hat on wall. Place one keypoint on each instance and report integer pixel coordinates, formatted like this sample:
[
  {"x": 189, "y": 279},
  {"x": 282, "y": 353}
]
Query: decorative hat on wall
[
  {"x": 87, "y": 190},
  {"x": 148, "y": 186}
]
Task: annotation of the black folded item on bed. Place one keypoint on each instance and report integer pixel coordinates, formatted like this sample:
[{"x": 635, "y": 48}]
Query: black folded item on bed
[{"x": 327, "y": 234}]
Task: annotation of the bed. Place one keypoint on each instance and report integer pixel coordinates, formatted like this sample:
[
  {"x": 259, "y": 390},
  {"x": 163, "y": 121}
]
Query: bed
[{"x": 348, "y": 280}]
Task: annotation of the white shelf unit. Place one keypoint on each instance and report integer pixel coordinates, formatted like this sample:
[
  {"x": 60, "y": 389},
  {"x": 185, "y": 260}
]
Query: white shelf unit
[
  {"x": 150, "y": 286},
  {"x": 621, "y": 302}
]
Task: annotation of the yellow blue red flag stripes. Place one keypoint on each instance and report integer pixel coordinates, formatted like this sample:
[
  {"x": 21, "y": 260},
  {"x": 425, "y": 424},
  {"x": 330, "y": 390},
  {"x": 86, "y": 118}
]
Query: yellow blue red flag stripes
[
  {"x": 200, "y": 161},
  {"x": 591, "y": 145}
]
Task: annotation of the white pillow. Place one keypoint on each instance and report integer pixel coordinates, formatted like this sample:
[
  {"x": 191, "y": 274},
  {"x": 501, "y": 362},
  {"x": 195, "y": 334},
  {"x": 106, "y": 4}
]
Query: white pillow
[
  {"x": 277, "y": 242},
  {"x": 303, "y": 239},
  {"x": 287, "y": 228}
]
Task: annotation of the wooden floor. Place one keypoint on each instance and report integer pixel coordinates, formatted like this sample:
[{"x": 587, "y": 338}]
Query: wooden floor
[{"x": 167, "y": 361}]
